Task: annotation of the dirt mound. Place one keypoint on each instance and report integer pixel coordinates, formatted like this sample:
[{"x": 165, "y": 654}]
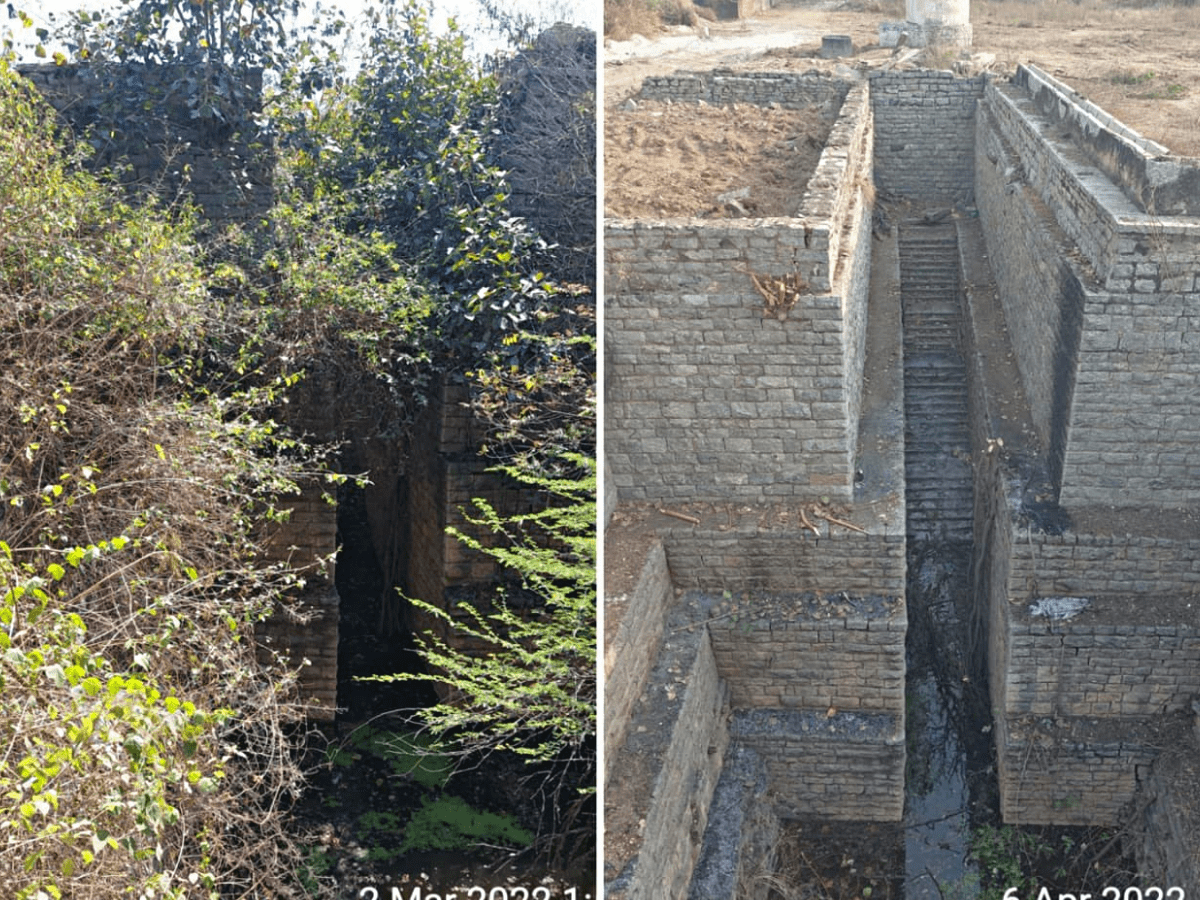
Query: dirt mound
[{"x": 674, "y": 159}]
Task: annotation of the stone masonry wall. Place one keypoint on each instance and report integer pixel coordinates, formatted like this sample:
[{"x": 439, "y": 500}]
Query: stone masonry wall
[
  {"x": 1071, "y": 771},
  {"x": 709, "y": 395},
  {"x": 787, "y": 89},
  {"x": 766, "y": 549},
  {"x": 1039, "y": 286},
  {"x": 817, "y": 686},
  {"x": 629, "y": 654},
  {"x": 305, "y": 628},
  {"x": 1135, "y": 650},
  {"x": 670, "y": 766},
  {"x": 925, "y": 134},
  {"x": 815, "y": 653},
  {"x": 841, "y": 766},
  {"x": 1132, "y": 435}
]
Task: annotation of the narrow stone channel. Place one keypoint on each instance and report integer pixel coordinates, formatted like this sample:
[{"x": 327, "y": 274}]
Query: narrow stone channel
[{"x": 942, "y": 723}]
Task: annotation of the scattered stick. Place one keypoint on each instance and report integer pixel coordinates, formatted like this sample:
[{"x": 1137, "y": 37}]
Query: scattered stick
[
  {"x": 690, "y": 626},
  {"x": 807, "y": 523},
  {"x": 679, "y": 515},
  {"x": 842, "y": 522}
]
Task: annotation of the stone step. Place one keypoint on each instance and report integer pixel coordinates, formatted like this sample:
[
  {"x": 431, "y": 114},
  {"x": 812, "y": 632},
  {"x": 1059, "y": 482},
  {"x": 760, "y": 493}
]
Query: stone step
[{"x": 938, "y": 483}]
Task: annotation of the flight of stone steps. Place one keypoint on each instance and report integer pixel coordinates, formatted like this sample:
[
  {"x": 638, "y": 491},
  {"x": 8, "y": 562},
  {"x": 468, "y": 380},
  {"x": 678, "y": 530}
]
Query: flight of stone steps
[{"x": 937, "y": 463}]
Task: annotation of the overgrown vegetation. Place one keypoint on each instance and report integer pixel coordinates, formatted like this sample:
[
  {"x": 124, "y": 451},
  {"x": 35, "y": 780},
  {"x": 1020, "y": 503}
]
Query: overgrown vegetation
[
  {"x": 143, "y": 378},
  {"x": 145, "y": 742}
]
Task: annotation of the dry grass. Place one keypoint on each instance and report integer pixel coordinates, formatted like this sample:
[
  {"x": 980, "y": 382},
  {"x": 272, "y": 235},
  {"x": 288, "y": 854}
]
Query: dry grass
[{"x": 625, "y": 18}]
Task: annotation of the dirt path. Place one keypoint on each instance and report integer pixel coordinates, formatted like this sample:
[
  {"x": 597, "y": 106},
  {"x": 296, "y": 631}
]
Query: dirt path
[{"x": 1142, "y": 65}]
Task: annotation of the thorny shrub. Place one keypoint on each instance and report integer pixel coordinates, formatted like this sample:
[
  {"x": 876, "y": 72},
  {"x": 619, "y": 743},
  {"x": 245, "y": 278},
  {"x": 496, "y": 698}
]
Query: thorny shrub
[{"x": 145, "y": 747}]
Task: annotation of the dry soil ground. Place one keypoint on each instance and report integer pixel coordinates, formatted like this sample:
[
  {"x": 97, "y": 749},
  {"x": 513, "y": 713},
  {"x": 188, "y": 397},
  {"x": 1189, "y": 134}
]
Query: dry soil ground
[{"x": 1140, "y": 64}]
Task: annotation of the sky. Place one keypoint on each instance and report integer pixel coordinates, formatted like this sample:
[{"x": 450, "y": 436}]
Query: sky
[{"x": 466, "y": 12}]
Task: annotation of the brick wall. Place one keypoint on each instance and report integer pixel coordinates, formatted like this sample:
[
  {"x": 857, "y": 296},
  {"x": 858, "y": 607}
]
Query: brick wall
[
  {"x": 305, "y": 627},
  {"x": 445, "y": 474},
  {"x": 711, "y": 396},
  {"x": 925, "y": 134}
]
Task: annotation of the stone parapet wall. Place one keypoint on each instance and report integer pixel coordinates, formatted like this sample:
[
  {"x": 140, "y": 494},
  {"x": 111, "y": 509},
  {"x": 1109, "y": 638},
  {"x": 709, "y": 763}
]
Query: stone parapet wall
[
  {"x": 925, "y": 134},
  {"x": 790, "y": 90},
  {"x": 1157, "y": 182},
  {"x": 669, "y": 768},
  {"x": 729, "y": 867}
]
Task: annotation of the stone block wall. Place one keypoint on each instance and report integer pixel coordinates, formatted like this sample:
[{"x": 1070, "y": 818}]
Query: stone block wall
[
  {"x": 1134, "y": 651},
  {"x": 817, "y": 688},
  {"x": 767, "y": 549},
  {"x": 1157, "y": 182},
  {"x": 630, "y": 653},
  {"x": 1072, "y": 771},
  {"x": 709, "y": 394},
  {"x": 925, "y": 134},
  {"x": 1039, "y": 286},
  {"x": 669, "y": 766},
  {"x": 1119, "y": 410},
  {"x": 814, "y": 653},
  {"x": 790, "y": 90},
  {"x": 840, "y": 766}
]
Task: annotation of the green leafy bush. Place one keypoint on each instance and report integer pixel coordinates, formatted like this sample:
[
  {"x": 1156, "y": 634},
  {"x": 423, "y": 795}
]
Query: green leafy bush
[{"x": 450, "y": 823}]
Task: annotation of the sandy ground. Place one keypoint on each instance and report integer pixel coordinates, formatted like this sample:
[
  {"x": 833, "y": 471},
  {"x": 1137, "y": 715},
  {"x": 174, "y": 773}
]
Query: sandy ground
[{"x": 1141, "y": 65}]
